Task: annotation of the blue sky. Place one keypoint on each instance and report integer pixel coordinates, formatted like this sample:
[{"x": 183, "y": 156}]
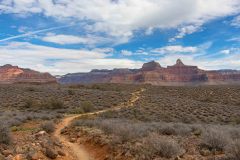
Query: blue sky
[{"x": 66, "y": 36}]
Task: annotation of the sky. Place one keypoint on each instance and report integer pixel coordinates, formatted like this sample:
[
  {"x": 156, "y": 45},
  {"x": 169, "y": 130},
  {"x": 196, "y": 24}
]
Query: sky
[{"x": 68, "y": 36}]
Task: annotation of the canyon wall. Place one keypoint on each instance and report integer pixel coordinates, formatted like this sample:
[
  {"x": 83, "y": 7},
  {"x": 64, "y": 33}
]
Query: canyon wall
[
  {"x": 13, "y": 74},
  {"x": 153, "y": 73}
]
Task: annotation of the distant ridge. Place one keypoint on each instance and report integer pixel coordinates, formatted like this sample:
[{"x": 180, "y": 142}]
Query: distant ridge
[
  {"x": 13, "y": 74},
  {"x": 153, "y": 73}
]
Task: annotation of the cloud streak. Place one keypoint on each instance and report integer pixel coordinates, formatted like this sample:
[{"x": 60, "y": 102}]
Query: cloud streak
[{"x": 34, "y": 33}]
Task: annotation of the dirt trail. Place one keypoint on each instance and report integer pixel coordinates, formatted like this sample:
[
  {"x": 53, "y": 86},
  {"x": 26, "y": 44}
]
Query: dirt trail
[{"x": 77, "y": 151}]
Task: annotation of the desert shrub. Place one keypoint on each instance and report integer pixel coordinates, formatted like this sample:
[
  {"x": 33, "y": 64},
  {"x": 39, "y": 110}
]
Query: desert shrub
[
  {"x": 29, "y": 103},
  {"x": 235, "y": 119},
  {"x": 31, "y": 89},
  {"x": 162, "y": 146},
  {"x": 76, "y": 86},
  {"x": 5, "y": 137},
  {"x": 167, "y": 129},
  {"x": 76, "y": 111},
  {"x": 215, "y": 139},
  {"x": 197, "y": 130},
  {"x": 234, "y": 133},
  {"x": 49, "y": 127},
  {"x": 122, "y": 130},
  {"x": 182, "y": 129},
  {"x": 87, "y": 106},
  {"x": 71, "y": 92},
  {"x": 233, "y": 150},
  {"x": 127, "y": 132},
  {"x": 173, "y": 128},
  {"x": 53, "y": 104}
]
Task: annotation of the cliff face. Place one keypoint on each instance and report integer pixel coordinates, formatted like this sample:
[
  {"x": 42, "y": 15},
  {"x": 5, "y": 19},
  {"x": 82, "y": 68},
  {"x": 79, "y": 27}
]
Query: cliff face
[
  {"x": 12, "y": 74},
  {"x": 153, "y": 73}
]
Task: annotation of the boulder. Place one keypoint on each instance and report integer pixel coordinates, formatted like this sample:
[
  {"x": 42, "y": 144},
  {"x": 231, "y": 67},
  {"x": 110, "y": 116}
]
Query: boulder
[{"x": 51, "y": 153}]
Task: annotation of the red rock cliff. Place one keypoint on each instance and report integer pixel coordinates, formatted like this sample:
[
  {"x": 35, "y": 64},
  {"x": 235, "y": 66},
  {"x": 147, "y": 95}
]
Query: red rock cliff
[
  {"x": 153, "y": 73},
  {"x": 12, "y": 74}
]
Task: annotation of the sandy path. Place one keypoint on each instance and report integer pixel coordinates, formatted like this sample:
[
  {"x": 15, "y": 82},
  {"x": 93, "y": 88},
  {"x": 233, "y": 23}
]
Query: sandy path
[{"x": 77, "y": 151}]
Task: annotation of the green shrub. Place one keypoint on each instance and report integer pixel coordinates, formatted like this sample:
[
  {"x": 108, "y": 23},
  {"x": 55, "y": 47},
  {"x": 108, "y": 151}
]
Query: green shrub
[
  {"x": 71, "y": 92},
  {"x": 53, "y": 104},
  {"x": 30, "y": 103},
  {"x": 77, "y": 111},
  {"x": 87, "y": 106},
  {"x": 31, "y": 89}
]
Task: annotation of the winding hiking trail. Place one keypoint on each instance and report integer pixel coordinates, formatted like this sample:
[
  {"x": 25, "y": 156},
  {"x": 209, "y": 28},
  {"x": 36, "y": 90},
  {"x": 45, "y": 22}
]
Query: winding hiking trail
[{"x": 76, "y": 151}]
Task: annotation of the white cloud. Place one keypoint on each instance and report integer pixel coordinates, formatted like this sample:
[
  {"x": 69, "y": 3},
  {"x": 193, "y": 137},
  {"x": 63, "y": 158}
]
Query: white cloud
[
  {"x": 121, "y": 18},
  {"x": 232, "y": 50},
  {"x": 203, "y": 62},
  {"x": 60, "y": 61},
  {"x": 236, "y": 22},
  {"x": 236, "y": 39},
  {"x": 183, "y": 31},
  {"x": 63, "y": 39},
  {"x": 175, "y": 49},
  {"x": 23, "y": 29},
  {"x": 223, "y": 59},
  {"x": 66, "y": 39},
  {"x": 126, "y": 53},
  {"x": 226, "y": 51}
]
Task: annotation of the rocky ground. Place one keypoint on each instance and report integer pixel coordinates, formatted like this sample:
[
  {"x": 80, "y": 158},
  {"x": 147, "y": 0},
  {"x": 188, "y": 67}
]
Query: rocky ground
[{"x": 31, "y": 142}]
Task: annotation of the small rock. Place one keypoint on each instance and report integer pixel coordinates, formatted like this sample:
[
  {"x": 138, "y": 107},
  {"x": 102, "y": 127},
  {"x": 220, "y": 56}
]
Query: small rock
[
  {"x": 73, "y": 140},
  {"x": 18, "y": 157},
  {"x": 177, "y": 158},
  {"x": 10, "y": 157},
  {"x": 205, "y": 152},
  {"x": 50, "y": 153},
  {"x": 40, "y": 134},
  {"x": 19, "y": 150},
  {"x": 6, "y": 153},
  {"x": 61, "y": 153},
  {"x": 32, "y": 156}
]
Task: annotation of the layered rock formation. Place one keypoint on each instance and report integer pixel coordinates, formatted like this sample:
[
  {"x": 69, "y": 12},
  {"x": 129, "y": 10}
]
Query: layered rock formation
[
  {"x": 153, "y": 73},
  {"x": 13, "y": 74}
]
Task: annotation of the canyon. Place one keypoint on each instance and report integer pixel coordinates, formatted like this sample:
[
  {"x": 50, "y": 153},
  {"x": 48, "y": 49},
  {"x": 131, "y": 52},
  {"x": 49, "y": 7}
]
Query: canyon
[
  {"x": 150, "y": 73},
  {"x": 153, "y": 73}
]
